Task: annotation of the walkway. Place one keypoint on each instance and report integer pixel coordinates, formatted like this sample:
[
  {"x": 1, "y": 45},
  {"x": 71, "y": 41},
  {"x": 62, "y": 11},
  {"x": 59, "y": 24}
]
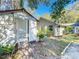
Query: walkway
[{"x": 72, "y": 52}]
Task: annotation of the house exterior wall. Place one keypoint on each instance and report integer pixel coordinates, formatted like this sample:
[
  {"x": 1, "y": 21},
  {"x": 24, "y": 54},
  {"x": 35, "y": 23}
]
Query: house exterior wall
[
  {"x": 42, "y": 24},
  {"x": 58, "y": 31},
  {"x": 61, "y": 31},
  {"x": 31, "y": 26},
  {"x": 22, "y": 30}
]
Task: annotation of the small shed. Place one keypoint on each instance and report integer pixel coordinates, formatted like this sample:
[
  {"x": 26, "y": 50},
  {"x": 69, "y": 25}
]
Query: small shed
[
  {"x": 17, "y": 25},
  {"x": 58, "y": 30},
  {"x": 76, "y": 28}
]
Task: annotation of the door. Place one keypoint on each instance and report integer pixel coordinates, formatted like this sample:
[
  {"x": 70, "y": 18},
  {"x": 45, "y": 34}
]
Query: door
[{"x": 21, "y": 26}]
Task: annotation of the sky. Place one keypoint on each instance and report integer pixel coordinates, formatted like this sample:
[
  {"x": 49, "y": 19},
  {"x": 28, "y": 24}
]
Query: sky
[{"x": 42, "y": 9}]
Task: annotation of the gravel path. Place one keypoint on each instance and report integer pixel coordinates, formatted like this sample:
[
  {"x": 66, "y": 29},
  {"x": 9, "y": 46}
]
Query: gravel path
[{"x": 72, "y": 52}]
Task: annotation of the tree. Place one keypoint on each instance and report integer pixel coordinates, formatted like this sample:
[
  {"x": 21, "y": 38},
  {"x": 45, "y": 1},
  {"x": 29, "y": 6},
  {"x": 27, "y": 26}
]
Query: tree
[
  {"x": 77, "y": 20},
  {"x": 56, "y": 7},
  {"x": 33, "y": 4},
  {"x": 68, "y": 17},
  {"x": 47, "y": 16}
]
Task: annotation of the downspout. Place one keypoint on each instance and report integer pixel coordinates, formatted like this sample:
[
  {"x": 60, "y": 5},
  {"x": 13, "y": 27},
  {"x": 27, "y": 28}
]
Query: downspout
[
  {"x": 28, "y": 37},
  {"x": 28, "y": 30}
]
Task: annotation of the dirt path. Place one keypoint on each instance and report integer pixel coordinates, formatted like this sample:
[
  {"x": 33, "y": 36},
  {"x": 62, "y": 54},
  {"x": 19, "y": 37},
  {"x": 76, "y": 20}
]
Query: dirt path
[
  {"x": 39, "y": 52},
  {"x": 72, "y": 52}
]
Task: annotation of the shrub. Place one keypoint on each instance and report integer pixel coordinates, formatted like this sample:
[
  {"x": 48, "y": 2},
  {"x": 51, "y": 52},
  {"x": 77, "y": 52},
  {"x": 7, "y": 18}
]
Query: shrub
[
  {"x": 49, "y": 32},
  {"x": 41, "y": 34},
  {"x": 4, "y": 50},
  {"x": 69, "y": 29}
]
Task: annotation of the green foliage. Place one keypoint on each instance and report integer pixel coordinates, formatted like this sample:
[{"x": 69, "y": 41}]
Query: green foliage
[
  {"x": 56, "y": 7},
  {"x": 21, "y": 3},
  {"x": 68, "y": 16},
  {"x": 41, "y": 34},
  {"x": 45, "y": 32},
  {"x": 71, "y": 37},
  {"x": 77, "y": 20},
  {"x": 4, "y": 50},
  {"x": 51, "y": 28},
  {"x": 69, "y": 29},
  {"x": 49, "y": 31},
  {"x": 35, "y": 3}
]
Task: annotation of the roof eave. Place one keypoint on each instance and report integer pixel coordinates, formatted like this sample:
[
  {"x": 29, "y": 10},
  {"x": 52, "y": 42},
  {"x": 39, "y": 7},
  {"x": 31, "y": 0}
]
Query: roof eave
[
  {"x": 30, "y": 14},
  {"x": 16, "y": 10}
]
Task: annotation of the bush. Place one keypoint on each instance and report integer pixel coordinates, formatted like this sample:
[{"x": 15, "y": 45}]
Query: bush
[
  {"x": 48, "y": 32},
  {"x": 4, "y": 50},
  {"x": 41, "y": 34},
  {"x": 69, "y": 29}
]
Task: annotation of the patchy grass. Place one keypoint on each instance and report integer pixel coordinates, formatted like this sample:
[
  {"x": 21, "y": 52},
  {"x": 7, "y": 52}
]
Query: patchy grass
[{"x": 71, "y": 37}]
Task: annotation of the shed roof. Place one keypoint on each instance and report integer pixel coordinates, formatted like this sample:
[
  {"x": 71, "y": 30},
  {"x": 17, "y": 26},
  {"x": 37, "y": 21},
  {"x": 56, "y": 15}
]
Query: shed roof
[{"x": 17, "y": 10}]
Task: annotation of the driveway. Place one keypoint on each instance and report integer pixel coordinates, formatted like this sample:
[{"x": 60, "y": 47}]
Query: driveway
[{"x": 72, "y": 52}]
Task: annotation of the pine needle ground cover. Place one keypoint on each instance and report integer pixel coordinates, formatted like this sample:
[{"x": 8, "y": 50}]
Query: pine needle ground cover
[{"x": 49, "y": 48}]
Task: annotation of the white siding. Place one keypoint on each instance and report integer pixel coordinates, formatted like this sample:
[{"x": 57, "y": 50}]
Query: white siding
[
  {"x": 22, "y": 30},
  {"x": 58, "y": 31},
  {"x": 61, "y": 31},
  {"x": 32, "y": 30},
  {"x": 21, "y": 27}
]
